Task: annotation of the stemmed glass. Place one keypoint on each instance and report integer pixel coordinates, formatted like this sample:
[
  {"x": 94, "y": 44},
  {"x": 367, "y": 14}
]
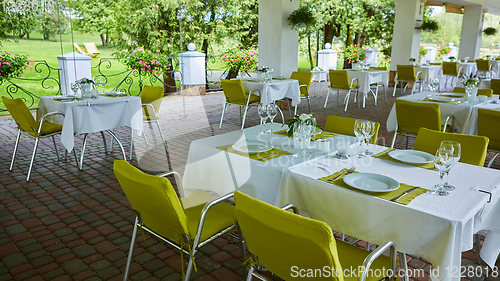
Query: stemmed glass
[
  {"x": 457, "y": 151},
  {"x": 74, "y": 88},
  {"x": 358, "y": 131},
  {"x": 368, "y": 132},
  {"x": 262, "y": 111},
  {"x": 310, "y": 126},
  {"x": 299, "y": 138},
  {"x": 433, "y": 84},
  {"x": 271, "y": 111},
  {"x": 442, "y": 161}
]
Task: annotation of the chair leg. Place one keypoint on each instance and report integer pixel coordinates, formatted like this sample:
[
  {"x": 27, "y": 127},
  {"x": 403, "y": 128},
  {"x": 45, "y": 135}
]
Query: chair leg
[
  {"x": 326, "y": 100},
  {"x": 222, "y": 115},
  {"x": 189, "y": 268},
  {"x": 407, "y": 140},
  {"x": 55, "y": 147},
  {"x": 131, "y": 144},
  {"x": 15, "y": 149},
  {"x": 131, "y": 250},
  {"x": 161, "y": 134},
  {"x": 404, "y": 266},
  {"x": 249, "y": 276},
  {"x": 145, "y": 138},
  {"x": 395, "y": 86},
  {"x": 83, "y": 151},
  {"x": 244, "y": 118},
  {"x": 492, "y": 159},
  {"x": 295, "y": 111},
  {"x": 309, "y": 104},
  {"x": 346, "y": 100},
  {"x": 477, "y": 248},
  {"x": 385, "y": 93},
  {"x": 104, "y": 142},
  {"x": 32, "y": 159},
  {"x": 394, "y": 138}
]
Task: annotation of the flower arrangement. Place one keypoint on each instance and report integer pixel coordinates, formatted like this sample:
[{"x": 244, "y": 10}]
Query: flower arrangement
[
  {"x": 148, "y": 62},
  {"x": 302, "y": 118},
  {"x": 317, "y": 69},
  {"x": 353, "y": 53},
  {"x": 262, "y": 69},
  {"x": 239, "y": 58},
  {"x": 412, "y": 60},
  {"x": 422, "y": 51},
  {"x": 470, "y": 82},
  {"x": 452, "y": 58},
  {"x": 444, "y": 49},
  {"x": 12, "y": 66},
  {"x": 387, "y": 53},
  {"x": 84, "y": 81}
]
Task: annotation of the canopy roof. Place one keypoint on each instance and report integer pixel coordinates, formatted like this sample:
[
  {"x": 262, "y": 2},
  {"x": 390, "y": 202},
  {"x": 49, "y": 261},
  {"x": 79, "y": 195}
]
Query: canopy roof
[{"x": 455, "y": 6}]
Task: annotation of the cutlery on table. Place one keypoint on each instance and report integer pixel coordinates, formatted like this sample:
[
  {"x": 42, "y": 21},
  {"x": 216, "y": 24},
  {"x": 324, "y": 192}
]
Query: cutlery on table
[
  {"x": 350, "y": 171},
  {"x": 395, "y": 199},
  {"x": 272, "y": 155}
]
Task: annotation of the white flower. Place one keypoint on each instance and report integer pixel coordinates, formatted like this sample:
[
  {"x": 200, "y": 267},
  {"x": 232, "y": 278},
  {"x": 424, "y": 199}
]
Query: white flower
[{"x": 304, "y": 117}]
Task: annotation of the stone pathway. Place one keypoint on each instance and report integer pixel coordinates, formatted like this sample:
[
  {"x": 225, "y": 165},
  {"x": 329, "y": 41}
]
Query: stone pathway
[{"x": 67, "y": 224}]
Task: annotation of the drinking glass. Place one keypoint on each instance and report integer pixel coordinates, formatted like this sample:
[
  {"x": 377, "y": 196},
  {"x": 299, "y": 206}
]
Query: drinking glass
[
  {"x": 262, "y": 111},
  {"x": 74, "y": 88},
  {"x": 442, "y": 161},
  {"x": 271, "y": 111},
  {"x": 368, "y": 132},
  {"x": 457, "y": 152},
  {"x": 310, "y": 126},
  {"x": 358, "y": 131},
  {"x": 299, "y": 138},
  {"x": 433, "y": 84}
]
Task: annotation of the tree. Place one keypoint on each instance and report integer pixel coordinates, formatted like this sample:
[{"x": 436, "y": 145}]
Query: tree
[{"x": 95, "y": 16}]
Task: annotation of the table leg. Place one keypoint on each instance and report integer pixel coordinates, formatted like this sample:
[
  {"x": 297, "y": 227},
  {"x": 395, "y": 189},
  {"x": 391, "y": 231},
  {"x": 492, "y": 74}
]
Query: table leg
[
  {"x": 80, "y": 165},
  {"x": 119, "y": 143}
]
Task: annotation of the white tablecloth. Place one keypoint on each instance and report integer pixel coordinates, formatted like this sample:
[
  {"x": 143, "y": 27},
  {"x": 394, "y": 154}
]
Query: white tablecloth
[
  {"x": 468, "y": 68},
  {"x": 276, "y": 90},
  {"x": 94, "y": 115},
  {"x": 485, "y": 84},
  {"x": 429, "y": 72},
  {"x": 495, "y": 67},
  {"x": 472, "y": 125},
  {"x": 462, "y": 112},
  {"x": 434, "y": 227},
  {"x": 365, "y": 78}
]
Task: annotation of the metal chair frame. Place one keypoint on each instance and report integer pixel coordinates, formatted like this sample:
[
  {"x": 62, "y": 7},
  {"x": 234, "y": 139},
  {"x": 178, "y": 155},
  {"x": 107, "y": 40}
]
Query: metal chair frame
[
  {"x": 418, "y": 78},
  {"x": 138, "y": 223},
  {"x": 157, "y": 121},
  {"x": 346, "y": 98},
  {"x": 453, "y": 78},
  {"x": 246, "y": 107}
]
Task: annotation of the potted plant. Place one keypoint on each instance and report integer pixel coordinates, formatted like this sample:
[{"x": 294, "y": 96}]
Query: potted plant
[
  {"x": 490, "y": 31},
  {"x": 387, "y": 54},
  {"x": 353, "y": 54},
  {"x": 412, "y": 61},
  {"x": 12, "y": 66},
  {"x": 471, "y": 85},
  {"x": 239, "y": 59},
  {"x": 302, "y": 17},
  {"x": 429, "y": 25},
  {"x": 452, "y": 58}
]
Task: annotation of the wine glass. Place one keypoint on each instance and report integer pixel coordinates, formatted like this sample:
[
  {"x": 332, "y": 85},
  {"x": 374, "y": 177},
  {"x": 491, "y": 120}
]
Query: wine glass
[
  {"x": 433, "y": 84},
  {"x": 74, "y": 88},
  {"x": 457, "y": 151},
  {"x": 299, "y": 138},
  {"x": 358, "y": 131},
  {"x": 442, "y": 161},
  {"x": 369, "y": 128},
  {"x": 310, "y": 126},
  {"x": 262, "y": 111},
  {"x": 271, "y": 111}
]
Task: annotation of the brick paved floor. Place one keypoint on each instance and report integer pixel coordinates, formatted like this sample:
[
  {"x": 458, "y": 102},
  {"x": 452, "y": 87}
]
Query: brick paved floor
[{"x": 67, "y": 224}]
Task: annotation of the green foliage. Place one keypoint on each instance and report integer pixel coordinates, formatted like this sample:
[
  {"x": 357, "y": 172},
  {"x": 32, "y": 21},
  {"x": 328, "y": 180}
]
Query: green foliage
[
  {"x": 148, "y": 62},
  {"x": 353, "y": 53},
  {"x": 490, "y": 31},
  {"x": 422, "y": 51},
  {"x": 449, "y": 31},
  {"x": 430, "y": 25},
  {"x": 240, "y": 59},
  {"x": 95, "y": 16},
  {"x": 302, "y": 17},
  {"x": 443, "y": 49},
  {"x": 13, "y": 65},
  {"x": 51, "y": 24},
  {"x": 387, "y": 54}
]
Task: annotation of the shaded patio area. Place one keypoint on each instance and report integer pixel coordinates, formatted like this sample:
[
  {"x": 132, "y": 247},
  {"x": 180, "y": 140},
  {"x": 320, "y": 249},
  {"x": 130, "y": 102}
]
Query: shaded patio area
[{"x": 67, "y": 224}]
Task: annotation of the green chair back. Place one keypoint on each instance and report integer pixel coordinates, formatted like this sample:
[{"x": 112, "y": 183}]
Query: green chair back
[
  {"x": 21, "y": 115},
  {"x": 304, "y": 78},
  {"x": 487, "y": 125},
  {"x": 406, "y": 72},
  {"x": 483, "y": 65},
  {"x": 339, "y": 79},
  {"x": 495, "y": 86},
  {"x": 412, "y": 116},
  {"x": 473, "y": 148},
  {"x": 155, "y": 199},
  {"x": 233, "y": 91},
  {"x": 480, "y": 92},
  {"x": 450, "y": 68},
  {"x": 281, "y": 240},
  {"x": 345, "y": 126},
  {"x": 151, "y": 95},
  {"x": 459, "y": 90},
  {"x": 383, "y": 68}
]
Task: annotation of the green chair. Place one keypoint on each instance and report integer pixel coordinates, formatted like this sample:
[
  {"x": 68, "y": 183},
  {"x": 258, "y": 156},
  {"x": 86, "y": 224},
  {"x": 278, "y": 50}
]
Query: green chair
[
  {"x": 160, "y": 212},
  {"x": 487, "y": 125},
  {"x": 483, "y": 68},
  {"x": 339, "y": 80},
  {"x": 235, "y": 94},
  {"x": 411, "y": 116},
  {"x": 406, "y": 73},
  {"x": 345, "y": 126},
  {"x": 480, "y": 92},
  {"x": 304, "y": 79},
  {"x": 280, "y": 241},
  {"x": 379, "y": 84},
  {"x": 473, "y": 148},
  {"x": 28, "y": 126},
  {"x": 495, "y": 86},
  {"x": 450, "y": 69}
]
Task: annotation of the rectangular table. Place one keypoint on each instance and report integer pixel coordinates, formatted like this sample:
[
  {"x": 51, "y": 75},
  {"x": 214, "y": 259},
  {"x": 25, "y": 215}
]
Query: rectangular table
[
  {"x": 366, "y": 78},
  {"x": 462, "y": 112},
  {"x": 471, "y": 128},
  {"x": 434, "y": 227},
  {"x": 93, "y": 115},
  {"x": 468, "y": 68},
  {"x": 275, "y": 90}
]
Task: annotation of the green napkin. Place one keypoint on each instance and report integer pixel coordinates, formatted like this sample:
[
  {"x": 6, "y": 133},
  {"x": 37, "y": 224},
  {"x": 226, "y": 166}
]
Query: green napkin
[
  {"x": 451, "y": 102},
  {"x": 429, "y": 166},
  {"x": 452, "y": 96},
  {"x": 282, "y": 132},
  {"x": 261, "y": 156},
  {"x": 322, "y": 135},
  {"x": 405, "y": 200}
]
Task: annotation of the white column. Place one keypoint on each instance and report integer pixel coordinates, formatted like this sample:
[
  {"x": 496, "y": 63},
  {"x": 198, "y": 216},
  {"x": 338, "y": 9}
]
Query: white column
[
  {"x": 406, "y": 39},
  {"x": 278, "y": 43},
  {"x": 472, "y": 26}
]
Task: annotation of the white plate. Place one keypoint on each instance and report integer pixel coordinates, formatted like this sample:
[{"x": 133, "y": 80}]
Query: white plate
[
  {"x": 438, "y": 98},
  {"x": 252, "y": 146},
  {"x": 371, "y": 182},
  {"x": 458, "y": 95},
  {"x": 64, "y": 97},
  {"x": 411, "y": 156}
]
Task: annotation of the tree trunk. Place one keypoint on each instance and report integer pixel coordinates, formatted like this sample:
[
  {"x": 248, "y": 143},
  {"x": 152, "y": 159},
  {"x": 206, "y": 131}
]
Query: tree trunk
[
  {"x": 232, "y": 73},
  {"x": 317, "y": 46},
  {"x": 28, "y": 36},
  {"x": 362, "y": 38},
  {"x": 169, "y": 82},
  {"x": 103, "y": 38},
  {"x": 328, "y": 34},
  {"x": 309, "y": 51}
]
